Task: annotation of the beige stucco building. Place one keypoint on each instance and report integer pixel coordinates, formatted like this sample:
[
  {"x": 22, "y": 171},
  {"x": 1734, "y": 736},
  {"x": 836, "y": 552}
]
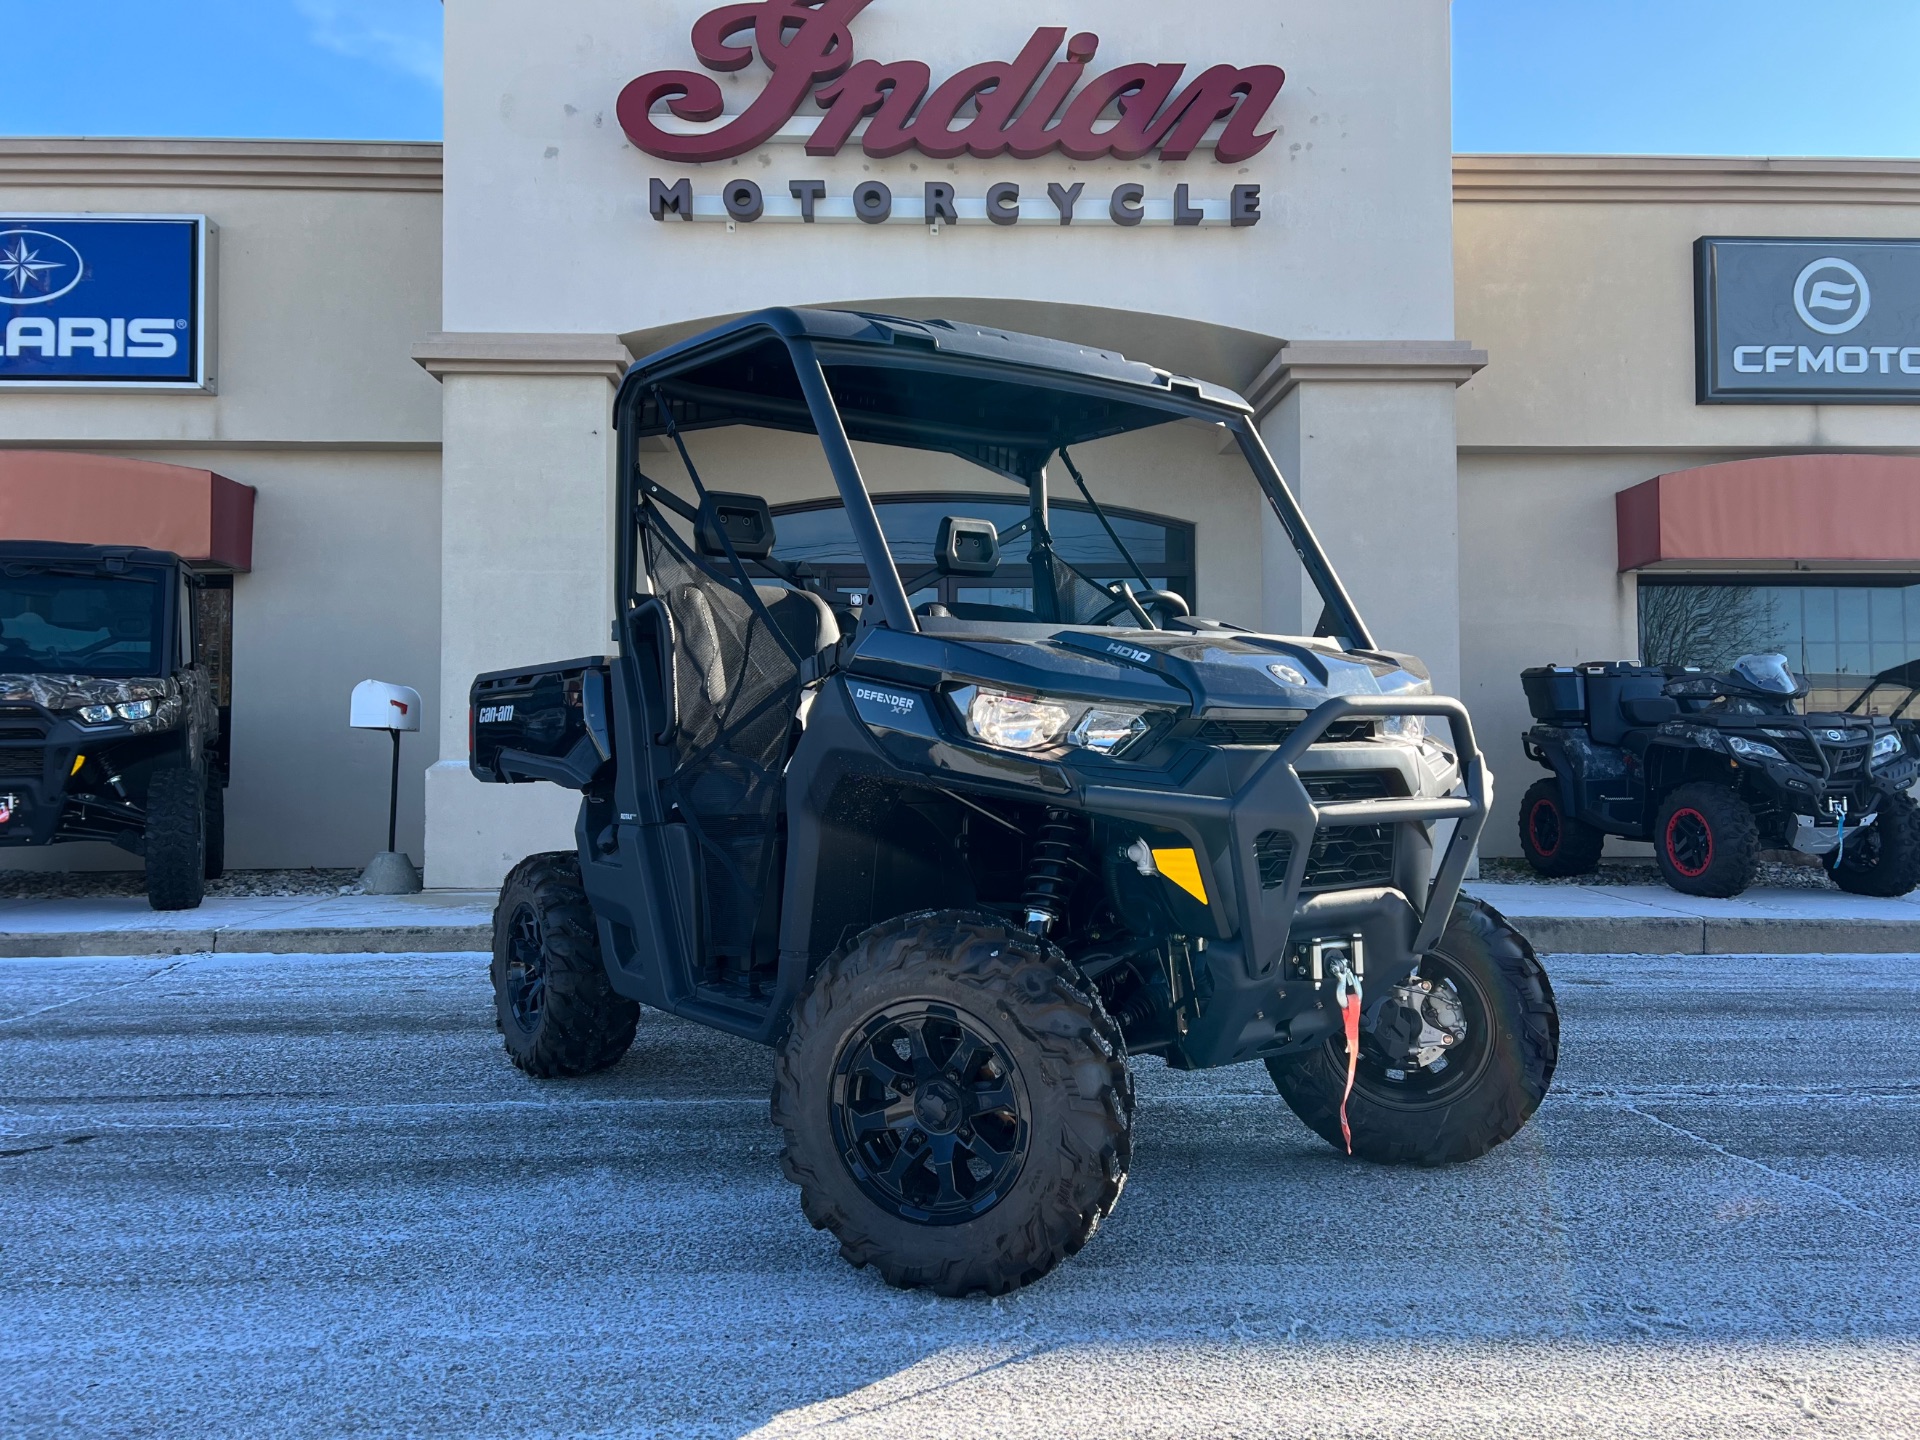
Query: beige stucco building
[{"x": 1459, "y": 361}]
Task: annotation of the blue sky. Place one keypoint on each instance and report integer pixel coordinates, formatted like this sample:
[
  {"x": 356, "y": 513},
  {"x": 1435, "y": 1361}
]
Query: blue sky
[{"x": 1772, "y": 77}]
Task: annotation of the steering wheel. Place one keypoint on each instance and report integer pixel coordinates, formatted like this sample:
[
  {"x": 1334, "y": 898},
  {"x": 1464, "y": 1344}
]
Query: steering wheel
[{"x": 1125, "y": 602}]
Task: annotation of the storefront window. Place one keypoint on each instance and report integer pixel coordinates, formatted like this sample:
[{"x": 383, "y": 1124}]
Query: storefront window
[
  {"x": 820, "y": 536},
  {"x": 1839, "y": 634}
]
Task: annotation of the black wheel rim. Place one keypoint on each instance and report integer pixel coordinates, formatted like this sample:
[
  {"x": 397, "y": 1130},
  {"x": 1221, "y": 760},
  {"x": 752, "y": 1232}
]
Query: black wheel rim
[
  {"x": 930, "y": 1113},
  {"x": 1546, "y": 828},
  {"x": 1689, "y": 842},
  {"x": 526, "y": 977},
  {"x": 1401, "y": 1085}
]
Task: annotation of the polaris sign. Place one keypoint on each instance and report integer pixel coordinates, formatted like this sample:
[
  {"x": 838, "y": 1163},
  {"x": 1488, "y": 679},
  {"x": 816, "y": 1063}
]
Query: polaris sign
[
  {"x": 1821, "y": 322},
  {"x": 91, "y": 301}
]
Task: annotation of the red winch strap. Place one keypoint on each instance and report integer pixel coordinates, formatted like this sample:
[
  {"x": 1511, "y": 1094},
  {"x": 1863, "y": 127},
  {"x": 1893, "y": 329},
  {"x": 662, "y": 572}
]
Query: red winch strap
[{"x": 1351, "y": 1011}]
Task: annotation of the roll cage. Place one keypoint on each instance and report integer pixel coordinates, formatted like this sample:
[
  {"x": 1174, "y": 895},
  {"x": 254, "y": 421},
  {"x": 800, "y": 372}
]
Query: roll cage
[{"x": 1009, "y": 403}]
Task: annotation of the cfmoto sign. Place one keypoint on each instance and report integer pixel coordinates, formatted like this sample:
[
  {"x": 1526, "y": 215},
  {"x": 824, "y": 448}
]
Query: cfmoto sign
[
  {"x": 104, "y": 301},
  {"x": 1836, "y": 289},
  {"x": 1793, "y": 321}
]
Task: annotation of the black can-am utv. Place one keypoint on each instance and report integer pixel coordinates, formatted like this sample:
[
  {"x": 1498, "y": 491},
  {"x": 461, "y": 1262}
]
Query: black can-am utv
[
  {"x": 110, "y": 724},
  {"x": 957, "y": 861},
  {"x": 1714, "y": 769}
]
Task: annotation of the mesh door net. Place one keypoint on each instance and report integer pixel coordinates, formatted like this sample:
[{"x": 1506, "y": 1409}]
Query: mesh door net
[{"x": 738, "y": 691}]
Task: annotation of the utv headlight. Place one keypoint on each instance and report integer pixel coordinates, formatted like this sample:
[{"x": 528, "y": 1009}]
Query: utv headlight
[
  {"x": 1886, "y": 747},
  {"x": 1106, "y": 729},
  {"x": 1034, "y": 722},
  {"x": 1411, "y": 728},
  {"x": 1752, "y": 749},
  {"x": 135, "y": 710},
  {"x": 95, "y": 714}
]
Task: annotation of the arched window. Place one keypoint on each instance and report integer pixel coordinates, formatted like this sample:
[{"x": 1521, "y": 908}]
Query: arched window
[{"x": 818, "y": 534}]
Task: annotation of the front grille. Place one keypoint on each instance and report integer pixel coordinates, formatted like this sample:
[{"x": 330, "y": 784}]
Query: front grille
[
  {"x": 1803, "y": 750},
  {"x": 1353, "y": 784},
  {"x": 18, "y": 764},
  {"x": 1344, "y": 857},
  {"x": 1275, "y": 732}
]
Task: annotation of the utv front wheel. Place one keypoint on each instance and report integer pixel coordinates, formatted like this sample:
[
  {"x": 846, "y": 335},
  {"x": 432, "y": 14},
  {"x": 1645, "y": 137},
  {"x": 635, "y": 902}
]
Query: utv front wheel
[
  {"x": 1882, "y": 858},
  {"x": 176, "y": 839},
  {"x": 1488, "y": 1038},
  {"x": 1553, "y": 841},
  {"x": 557, "y": 1012},
  {"x": 955, "y": 1103},
  {"x": 1706, "y": 840}
]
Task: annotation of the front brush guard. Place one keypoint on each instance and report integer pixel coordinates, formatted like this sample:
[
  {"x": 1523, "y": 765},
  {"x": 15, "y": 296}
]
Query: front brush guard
[{"x": 1253, "y": 1006}]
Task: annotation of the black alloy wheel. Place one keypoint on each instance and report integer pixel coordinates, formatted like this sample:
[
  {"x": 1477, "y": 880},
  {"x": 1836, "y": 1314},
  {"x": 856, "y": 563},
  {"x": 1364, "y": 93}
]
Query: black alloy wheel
[
  {"x": 1426, "y": 1081},
  {"x": 525, "y": 987},
  {"x": 930, "y": 1113},
  {"x": 1553, "y": 841},
  {"x": 1706, "y": 840},
  {"x": 1483, "y": 1056},
  {"x": 954, "y": 1103},
  {"x": 1882, "y": 858},
  {"x": 557, "y": 1010}
]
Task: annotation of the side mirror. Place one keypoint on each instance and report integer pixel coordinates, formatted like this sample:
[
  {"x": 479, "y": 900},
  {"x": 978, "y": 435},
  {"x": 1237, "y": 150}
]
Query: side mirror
[{"x": 966, "y": 547}]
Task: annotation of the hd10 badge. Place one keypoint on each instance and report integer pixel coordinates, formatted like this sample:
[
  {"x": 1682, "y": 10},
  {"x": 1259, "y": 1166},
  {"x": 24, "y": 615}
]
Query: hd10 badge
[{"x": 105, "y": 301}]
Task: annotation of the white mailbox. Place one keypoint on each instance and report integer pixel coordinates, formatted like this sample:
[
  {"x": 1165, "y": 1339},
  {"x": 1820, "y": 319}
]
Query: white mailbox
[{"x": 380, "y": 706}]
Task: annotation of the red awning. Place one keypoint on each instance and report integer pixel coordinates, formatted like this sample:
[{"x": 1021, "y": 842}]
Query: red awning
[
  {"x": 1813, "y": 509},
  {"x": 101, "y": 500}
]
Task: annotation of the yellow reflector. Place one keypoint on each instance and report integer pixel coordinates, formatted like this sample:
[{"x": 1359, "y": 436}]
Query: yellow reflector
[
  {"x": 1182, "y": 869},
  {"x": 78, "y": 761}
]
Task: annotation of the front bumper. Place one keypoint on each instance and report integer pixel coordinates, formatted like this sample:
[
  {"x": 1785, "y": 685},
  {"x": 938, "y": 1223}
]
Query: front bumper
[
  {"x": 1262, "y": 1001},
  {"x": 40, "y": 762}
]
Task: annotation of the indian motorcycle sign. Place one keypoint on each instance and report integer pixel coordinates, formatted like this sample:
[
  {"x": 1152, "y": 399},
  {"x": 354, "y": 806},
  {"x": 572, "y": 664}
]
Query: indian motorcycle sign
[{"x": 1044, "y": 101}]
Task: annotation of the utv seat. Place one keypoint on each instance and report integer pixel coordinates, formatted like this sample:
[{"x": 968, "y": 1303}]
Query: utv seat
[{"x": 803, "y": 617}]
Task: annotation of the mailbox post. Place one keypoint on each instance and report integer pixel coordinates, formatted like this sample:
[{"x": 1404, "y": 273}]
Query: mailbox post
[{"x": 396, "y": 709}]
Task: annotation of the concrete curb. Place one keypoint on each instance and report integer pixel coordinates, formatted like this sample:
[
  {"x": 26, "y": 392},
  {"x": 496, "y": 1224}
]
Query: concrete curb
[
  {"x": 317, "y": 940},
  {"x": 1550, "y": 934},
  {"x": 1695, "y": 935}
]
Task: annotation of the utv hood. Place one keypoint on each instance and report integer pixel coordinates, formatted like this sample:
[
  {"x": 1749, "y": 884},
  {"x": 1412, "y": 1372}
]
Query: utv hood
[
  {"x": 63, "y": 694},
  {"x": 1208, "y": 671}
]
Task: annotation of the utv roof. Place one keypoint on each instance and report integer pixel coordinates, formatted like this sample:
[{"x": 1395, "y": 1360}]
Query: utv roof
[
  {"x": 1000, "y": 398},
  {"x": 59, "y": 551}
]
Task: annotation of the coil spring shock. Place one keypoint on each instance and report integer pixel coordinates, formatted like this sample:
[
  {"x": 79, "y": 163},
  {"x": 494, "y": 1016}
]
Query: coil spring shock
[{"x": 1054, "y": 867}]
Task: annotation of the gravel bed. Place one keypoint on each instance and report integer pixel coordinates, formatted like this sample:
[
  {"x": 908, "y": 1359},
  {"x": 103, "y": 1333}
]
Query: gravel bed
[
  {"x": 235, "y": 884},
  {"x": 1799, "y": 873}
]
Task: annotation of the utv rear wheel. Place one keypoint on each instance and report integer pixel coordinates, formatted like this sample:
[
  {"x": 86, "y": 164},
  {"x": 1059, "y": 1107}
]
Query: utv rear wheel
[
  {"x": 955, "y": 1103},
  {"x": 557, "y": 1011},
  {"x": 176, "y": 839},
  {"x": 1490, "y": 996},
  {"x": 1553, "y": 841},
  {"x": 1882, "y": 858},
  {"x": 1706, "y": 840}
]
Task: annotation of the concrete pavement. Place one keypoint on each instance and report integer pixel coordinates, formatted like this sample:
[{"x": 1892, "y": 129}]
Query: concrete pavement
[
  {"x": 307, "y": 1196},
  {"x": 1575, "y": 919}
]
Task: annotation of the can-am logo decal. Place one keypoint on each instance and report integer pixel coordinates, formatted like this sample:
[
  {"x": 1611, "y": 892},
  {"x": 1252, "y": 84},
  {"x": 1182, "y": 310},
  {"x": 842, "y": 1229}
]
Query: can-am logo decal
[
  {"x": 808, "y": 46},
  {"x": 495, "y": 714}
]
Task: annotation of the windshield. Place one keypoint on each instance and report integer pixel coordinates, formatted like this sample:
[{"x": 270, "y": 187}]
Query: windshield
[
  {"x": 55, "y": 623},
  {"x": 1083, "y": 455},
  {"x": 1768, "y": 673}
]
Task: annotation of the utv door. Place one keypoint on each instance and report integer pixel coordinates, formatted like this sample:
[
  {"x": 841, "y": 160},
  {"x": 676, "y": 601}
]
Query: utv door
[{"x": 712, "y": 688}]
